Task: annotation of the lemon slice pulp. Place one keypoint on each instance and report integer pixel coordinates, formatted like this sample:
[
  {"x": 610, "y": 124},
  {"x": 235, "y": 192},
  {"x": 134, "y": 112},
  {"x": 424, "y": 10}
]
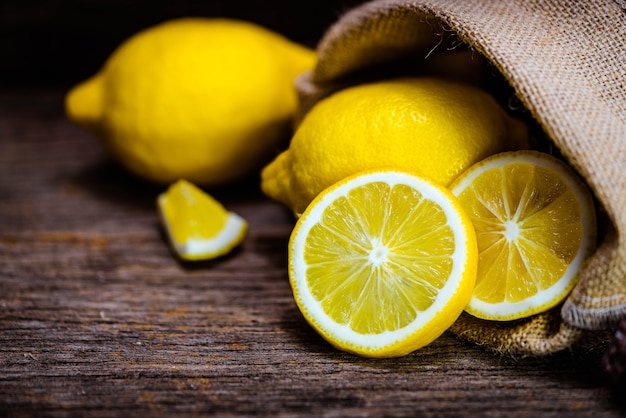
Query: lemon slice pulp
[
  {"x": 382, "y": 263},
  {"x": 535, "y": 226},
  {"x": 197, "y": 225}
]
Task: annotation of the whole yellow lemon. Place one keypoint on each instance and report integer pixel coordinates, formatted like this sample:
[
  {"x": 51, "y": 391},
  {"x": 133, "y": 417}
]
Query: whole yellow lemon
[
  {"x": 208, "y": 100},
  {"x": 428, "y": 126}
]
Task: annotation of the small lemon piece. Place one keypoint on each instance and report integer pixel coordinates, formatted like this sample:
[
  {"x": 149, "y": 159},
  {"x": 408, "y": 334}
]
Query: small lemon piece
[
  {"x": 535, "y": 226},
  {"x": 209, "y": 100},
  {"x": 197, "y": 225},
  {"x": 429, "y": 126},
  {"x": 382, "y": 263}
]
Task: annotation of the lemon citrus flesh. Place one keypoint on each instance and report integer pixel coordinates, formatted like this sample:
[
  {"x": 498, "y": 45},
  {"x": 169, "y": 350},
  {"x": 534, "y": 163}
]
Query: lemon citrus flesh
[
  {"x": 382, "y": 263},
  {"x": 535, "y": 226},
  {"x": 205, "y": 99},
  {"x": 429, "y": 126},
  {"x": 197, "y": 225}
]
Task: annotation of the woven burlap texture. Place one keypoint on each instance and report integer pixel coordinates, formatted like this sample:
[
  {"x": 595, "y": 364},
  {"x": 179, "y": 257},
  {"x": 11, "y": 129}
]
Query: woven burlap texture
[{"x": 566, "y": 63}]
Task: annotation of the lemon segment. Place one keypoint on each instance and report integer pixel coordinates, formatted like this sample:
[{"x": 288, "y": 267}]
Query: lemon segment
[
  {"x": 382, "y": 263},
  {"x": 535, "y": 227},
  {"x": 197, "y": 225},
  {"x": 433, "y": 127}
]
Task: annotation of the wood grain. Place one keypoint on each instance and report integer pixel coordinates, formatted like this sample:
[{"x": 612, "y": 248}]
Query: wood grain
[{"x": 97, "y": 318}]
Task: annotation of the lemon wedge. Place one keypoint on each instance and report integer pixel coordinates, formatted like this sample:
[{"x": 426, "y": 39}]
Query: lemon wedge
[
  {"x": 382, "y": 263},
  {"x": 197, "y": 225},
  {"x": 535, "y": 227}
]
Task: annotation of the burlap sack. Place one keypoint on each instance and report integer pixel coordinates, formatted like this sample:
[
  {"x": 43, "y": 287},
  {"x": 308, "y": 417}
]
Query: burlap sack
[{"x": 564, "y": 62}]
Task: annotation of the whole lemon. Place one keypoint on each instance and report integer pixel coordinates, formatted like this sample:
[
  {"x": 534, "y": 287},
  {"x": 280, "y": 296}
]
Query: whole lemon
[
  {"x": 428, "y": 126},
  {"x": 208, "y": 100}
]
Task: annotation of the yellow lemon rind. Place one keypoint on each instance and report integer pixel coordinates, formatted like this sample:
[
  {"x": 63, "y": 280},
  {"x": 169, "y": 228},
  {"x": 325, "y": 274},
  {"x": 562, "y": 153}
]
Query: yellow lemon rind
[
  {"x": 551, "y": 297},
  {"x": 425, "y": 125},
  {"x": 431, "y": 323},
  {"x": 207, "y": 99}
]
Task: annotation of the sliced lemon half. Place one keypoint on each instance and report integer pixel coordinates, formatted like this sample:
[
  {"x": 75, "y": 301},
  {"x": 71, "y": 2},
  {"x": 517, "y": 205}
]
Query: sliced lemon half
[
  {"x": 382, "y": 263},
  {"x": 197, "y": 225},
  {"x": 535, "y": 226}
]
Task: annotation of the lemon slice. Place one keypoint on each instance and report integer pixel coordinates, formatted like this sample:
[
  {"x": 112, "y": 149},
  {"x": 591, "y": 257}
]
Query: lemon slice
[
  {"x": 197, "y": 225},
  {"x": 535, "y": 226},
  {"x": 382, "y": 263}
]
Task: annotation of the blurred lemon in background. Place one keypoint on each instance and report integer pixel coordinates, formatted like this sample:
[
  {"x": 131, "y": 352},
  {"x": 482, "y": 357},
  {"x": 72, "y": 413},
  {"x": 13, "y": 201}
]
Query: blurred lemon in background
[{"x": 208, "y": 100}]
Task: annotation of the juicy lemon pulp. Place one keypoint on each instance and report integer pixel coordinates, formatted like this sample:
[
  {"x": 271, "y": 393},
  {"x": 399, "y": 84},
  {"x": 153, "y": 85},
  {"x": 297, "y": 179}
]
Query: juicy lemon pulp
[
  {"x": 535, "y": 226},
  {"x": 198, "y": 226},
  {"x": 382, "y": 263}
]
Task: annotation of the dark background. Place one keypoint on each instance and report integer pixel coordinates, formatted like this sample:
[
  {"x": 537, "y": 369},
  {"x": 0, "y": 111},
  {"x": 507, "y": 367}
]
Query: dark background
[{"x": 65, "y": 41}]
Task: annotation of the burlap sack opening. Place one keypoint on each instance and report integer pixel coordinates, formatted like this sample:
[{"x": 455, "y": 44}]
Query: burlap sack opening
[{"x": 559, "y": 64}]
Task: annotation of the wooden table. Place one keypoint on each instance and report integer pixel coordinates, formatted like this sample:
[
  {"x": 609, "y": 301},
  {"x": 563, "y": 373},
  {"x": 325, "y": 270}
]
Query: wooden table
[{"x": 97, "y": 318}]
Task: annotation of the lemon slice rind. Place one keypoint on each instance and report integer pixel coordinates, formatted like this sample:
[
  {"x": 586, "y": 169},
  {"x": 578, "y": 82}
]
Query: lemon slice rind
[
  {"x": 549, "y": 297},
  {"x": 403, "y": 340},
  {"x": 229, "y": 237}
]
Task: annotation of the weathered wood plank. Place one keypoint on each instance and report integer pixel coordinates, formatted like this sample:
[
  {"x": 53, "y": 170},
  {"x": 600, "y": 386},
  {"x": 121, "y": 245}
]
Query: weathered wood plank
[{"x": 97, "y": 318}]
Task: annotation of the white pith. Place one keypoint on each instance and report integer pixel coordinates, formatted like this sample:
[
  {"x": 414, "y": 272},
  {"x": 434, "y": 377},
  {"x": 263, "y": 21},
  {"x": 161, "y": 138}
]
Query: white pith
[
  {"x": 229, "y": 234},
  {"x": 377, "y": 257},
  {"x": 549, "y": 297}
]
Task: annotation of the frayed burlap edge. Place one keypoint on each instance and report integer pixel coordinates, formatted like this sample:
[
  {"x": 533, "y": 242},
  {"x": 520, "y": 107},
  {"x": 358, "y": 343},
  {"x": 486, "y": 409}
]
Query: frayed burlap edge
[{"x": 540, "y": 335}]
